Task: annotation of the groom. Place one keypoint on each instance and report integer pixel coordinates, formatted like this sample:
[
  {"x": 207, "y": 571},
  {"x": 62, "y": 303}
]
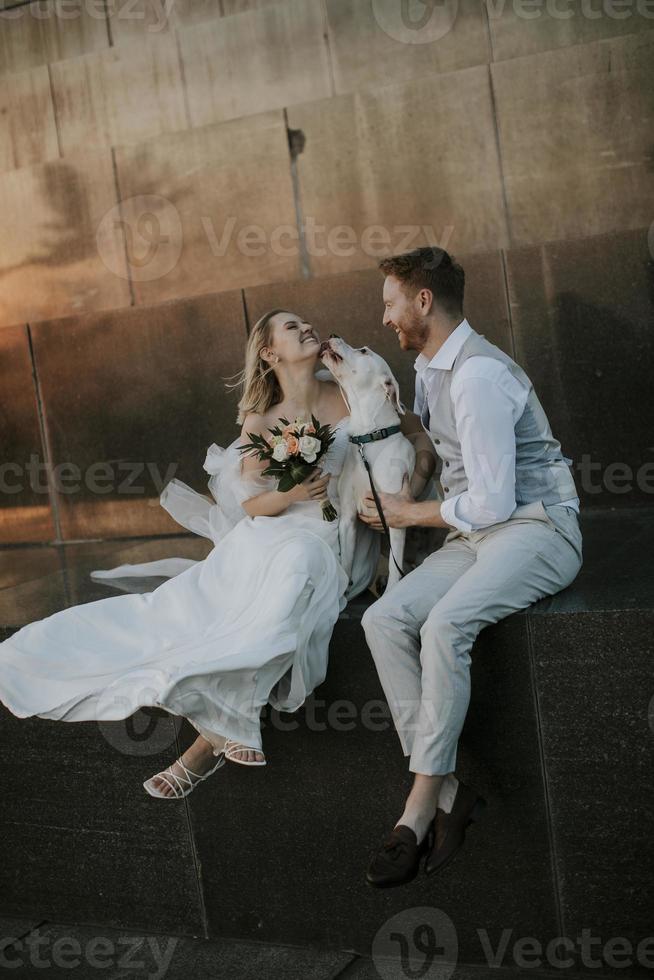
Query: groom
[{"x": 511, "y": 506}]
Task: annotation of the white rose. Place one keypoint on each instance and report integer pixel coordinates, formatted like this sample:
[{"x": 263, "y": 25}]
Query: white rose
[
  {"x": 280, "y": 452},
  {"x": 309, "y": 448}
]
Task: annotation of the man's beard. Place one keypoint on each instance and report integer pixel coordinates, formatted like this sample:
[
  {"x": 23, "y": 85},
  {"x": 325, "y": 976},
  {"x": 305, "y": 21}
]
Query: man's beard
[{"x": 414, "y": 330}]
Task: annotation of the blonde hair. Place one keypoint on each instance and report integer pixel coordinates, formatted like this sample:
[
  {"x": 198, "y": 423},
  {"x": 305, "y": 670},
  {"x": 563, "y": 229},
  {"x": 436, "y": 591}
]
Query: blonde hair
[{"x": 260, "y": 384}]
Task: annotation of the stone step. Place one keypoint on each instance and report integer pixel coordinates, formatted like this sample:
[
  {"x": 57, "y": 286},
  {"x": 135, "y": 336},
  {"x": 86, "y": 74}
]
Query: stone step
[{"x": 558, "y": 739}]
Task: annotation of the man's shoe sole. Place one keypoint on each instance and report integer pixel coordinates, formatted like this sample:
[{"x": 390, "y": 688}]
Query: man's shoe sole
[{"x": 393, "y": 884}]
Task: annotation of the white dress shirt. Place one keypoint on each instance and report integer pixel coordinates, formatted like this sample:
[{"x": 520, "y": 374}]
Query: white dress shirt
[{"x": 488, "y": 401}]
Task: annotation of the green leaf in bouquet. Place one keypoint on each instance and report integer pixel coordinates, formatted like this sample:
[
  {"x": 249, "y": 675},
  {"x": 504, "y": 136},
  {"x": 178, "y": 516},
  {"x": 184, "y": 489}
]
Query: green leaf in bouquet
[
  {"x": 286, "y": 483},
  {"x": 299, "y": 471}
]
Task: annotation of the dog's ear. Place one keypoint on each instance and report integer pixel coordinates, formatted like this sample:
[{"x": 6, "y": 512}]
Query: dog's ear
[{"x": 392, "y": 389}]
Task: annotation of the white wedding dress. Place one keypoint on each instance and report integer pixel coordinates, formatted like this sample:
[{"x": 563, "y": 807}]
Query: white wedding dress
[{"x": 249, "y": 624}]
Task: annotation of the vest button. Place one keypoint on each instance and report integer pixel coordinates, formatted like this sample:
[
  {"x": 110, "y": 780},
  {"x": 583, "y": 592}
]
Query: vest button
[
  {"x": 437, "y": 441},
  {"x": 446, "y": 489},
  {"x": 447, "y": 462}
]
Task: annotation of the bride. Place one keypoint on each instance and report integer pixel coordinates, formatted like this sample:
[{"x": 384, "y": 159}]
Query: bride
[{"x": 248, "y": 625}]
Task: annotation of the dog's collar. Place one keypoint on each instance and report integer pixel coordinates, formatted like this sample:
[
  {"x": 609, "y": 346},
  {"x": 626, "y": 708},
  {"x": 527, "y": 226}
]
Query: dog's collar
[{"x": 377, "y": 434}]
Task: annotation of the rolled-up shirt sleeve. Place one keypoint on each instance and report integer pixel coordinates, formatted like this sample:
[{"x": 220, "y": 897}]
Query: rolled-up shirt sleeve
[{"x": 487, "y": 400}]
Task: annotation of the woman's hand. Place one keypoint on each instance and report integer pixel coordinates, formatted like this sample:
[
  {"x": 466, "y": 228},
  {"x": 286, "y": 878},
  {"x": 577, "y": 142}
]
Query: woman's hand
[{"x": 314, "y": 487}]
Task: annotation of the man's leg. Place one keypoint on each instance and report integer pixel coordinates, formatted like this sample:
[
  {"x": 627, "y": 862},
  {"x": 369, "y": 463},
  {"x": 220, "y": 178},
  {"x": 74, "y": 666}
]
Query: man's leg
[
  {"x": 392, "y": 626},
  {"x": 516, "y": 564}
]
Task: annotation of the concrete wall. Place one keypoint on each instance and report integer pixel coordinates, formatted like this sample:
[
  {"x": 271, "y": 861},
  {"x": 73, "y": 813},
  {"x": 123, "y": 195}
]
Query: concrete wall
[{"x": 183, "y": 158}]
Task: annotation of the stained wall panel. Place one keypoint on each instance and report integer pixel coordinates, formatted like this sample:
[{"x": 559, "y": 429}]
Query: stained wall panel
[
  {"x": 574, "y": 129},
  {"x": 47, "y": 30},
  {"x": 62, "y": 248},
  {"x": 133, "y": 398},
  {"x": 238, "y": 6},
  {"x": 379, "y": 43},
  {"x": 257, "y": 60},
  {"x": 32, "y": 584},
  {"x": 518, "y": 29},
  {"x": 582, "y": 317},
  {"x": 25, "y": 513},
  {"x": 124, "y": 95},
  {"x": 139, "y": 19},
  {"x": 374, "y": 178},
  {"x": 28, "y": 133},
  {"x": 210, "y": 209}
]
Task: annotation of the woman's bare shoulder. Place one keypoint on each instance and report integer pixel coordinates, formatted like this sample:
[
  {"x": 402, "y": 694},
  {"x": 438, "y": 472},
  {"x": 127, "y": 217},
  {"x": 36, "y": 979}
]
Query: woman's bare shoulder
[{"x": 254, "y": 422}]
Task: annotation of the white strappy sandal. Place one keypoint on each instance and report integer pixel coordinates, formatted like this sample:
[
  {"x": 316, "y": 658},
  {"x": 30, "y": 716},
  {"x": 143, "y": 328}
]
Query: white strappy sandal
[
  {"x": 178, "y": 790},
  {"x": 231, "y": 746}
]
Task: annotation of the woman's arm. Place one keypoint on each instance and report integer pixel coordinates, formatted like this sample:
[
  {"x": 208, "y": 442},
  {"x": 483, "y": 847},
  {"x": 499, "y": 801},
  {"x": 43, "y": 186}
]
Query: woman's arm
[
  {"x": 426, "y": 456},
  {"x": 269, "y": 503}
]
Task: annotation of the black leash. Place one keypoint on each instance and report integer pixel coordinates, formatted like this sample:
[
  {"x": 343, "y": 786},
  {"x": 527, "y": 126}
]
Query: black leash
[{"x": 359, "y": 441}]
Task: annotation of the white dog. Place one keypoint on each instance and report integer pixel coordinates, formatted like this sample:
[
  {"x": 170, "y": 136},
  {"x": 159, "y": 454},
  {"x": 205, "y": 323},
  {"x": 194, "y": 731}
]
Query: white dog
[{"x": 373, "y": 396}]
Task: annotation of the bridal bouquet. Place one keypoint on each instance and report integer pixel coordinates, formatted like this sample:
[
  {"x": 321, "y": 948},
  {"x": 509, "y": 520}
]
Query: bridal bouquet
[{"x": 292, "y": 452}]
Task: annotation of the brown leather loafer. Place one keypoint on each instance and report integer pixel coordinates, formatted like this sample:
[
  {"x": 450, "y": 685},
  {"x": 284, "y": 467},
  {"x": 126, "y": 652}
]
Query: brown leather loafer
[
  {"x": 398, "y": 859},
  {"x": 449, "y": 829}
]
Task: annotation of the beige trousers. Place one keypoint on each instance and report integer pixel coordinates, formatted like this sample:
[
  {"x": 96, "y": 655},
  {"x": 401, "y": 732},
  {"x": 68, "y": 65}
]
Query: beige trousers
[{"x": 421, "y": 631}]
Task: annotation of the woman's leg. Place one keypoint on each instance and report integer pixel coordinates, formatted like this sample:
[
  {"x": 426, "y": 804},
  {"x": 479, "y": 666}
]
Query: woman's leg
[
  {"x": 198, "y": 758},
  {"x": 218, "y": 743}
]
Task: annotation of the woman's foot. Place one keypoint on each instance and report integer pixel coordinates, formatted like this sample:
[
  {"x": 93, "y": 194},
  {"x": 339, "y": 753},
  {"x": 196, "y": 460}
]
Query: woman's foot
[
  {"x": 199, "y": 758},
  {"x": 244, "y": 754}
]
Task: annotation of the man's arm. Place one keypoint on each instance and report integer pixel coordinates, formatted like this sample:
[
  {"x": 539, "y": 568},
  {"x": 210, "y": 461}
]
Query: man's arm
[{"x": 487, "y": 401}]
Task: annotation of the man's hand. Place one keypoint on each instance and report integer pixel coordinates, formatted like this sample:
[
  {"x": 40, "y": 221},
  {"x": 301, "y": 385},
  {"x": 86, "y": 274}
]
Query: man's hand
[{"x": 396, "y": 507}]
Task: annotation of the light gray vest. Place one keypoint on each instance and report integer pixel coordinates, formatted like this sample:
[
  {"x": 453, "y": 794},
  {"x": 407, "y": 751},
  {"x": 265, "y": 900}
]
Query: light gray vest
[{"x": 542, "y": 472}]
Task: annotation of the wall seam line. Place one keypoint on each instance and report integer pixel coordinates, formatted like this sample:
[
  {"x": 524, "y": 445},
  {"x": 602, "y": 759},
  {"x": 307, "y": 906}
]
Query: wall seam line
[
  {"x": 556, "y": 883},
  {"x": 500, "y": 161},
  {"x": 119, "y": 202},
  {"x": 54, "y": 112},
  {"x": 305, "y": 261},
  {"x": 197, "y": 864},
  {"x": 507, "y": 302},
  {"x": 107, "y": 20},
  {"x": 187, "y": 104},
  {"x": 45, "y": 439},
  {"x": 328, "y": 46}
]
